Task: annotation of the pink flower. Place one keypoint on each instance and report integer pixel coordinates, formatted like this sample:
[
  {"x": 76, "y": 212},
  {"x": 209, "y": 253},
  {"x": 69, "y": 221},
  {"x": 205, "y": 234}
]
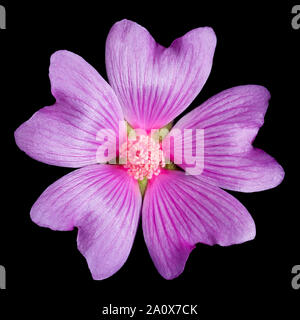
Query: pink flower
[{"x": 149, "y": 86}]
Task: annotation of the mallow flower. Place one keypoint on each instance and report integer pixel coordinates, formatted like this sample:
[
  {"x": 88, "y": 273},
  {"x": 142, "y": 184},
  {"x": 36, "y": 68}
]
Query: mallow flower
[{"x": 149, "y": 86}]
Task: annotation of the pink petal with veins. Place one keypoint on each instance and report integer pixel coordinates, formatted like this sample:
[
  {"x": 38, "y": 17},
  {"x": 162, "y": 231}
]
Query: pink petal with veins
[
  {"x": 155, "y": 84},
  {"x": 104, "y": 203},
  {"x": 180, "y": 211},
  {"x": 231, "y": 120},
  {"x": 65, "y": 134}
]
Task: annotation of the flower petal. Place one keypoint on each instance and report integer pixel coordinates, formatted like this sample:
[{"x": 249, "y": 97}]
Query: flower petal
[
  {"x": 155, "y": 84},
  {"x": 65, "y": 134},
  {"x": 104, "y": 202},
  {"x": 180, "y": 210},
  {"x": 231, "y": 120}
]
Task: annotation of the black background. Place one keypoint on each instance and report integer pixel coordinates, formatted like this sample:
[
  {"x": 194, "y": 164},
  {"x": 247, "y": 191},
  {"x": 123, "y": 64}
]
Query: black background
[{"x": 46, "y": 275}]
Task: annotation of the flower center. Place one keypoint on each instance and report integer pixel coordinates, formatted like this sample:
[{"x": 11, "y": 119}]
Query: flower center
[{"x": 144, "y": 157}]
